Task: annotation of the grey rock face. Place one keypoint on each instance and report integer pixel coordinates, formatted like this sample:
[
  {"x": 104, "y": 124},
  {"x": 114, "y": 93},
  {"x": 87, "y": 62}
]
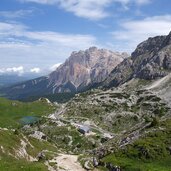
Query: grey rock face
[
  {"x": 150, "y": 60},
  {"x": 83, "y": 68}
]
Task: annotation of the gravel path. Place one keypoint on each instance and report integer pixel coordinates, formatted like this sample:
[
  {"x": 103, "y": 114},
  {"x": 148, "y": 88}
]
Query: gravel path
[{"x": 67, "y": 162}]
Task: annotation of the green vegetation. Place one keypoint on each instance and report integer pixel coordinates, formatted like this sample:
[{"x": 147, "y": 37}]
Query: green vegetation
[
  {"x": 58, "y": 97},
  {"x": 10, "y": 143},
  {"x": 9, "y": 140},
  {"x": 8, "y": 163},
  {"x": 129, "y": 164},
  {"x": 41, "y": 146},
  {"x": 130, "y": 115},
  {"x": 69, "y": 139},
  {"x": 104, "y": 109},
  {"x": 150, "y": 153},
  {"x": 12, "y": 111}
]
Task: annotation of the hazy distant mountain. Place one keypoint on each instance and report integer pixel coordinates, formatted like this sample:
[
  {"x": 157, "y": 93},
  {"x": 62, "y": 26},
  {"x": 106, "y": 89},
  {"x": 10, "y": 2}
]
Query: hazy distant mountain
[{"x": 11, "y": 79}]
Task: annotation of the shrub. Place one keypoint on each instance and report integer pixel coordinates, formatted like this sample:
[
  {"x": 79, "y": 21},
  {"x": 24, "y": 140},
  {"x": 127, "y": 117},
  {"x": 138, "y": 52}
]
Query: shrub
[{"x": 155, "y": 122}]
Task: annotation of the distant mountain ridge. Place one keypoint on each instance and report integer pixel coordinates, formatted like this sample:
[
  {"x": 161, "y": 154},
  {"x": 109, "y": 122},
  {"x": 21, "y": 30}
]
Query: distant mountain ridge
[
  {"x": 80, "y": 70},
  {"x": 11, "y": 79},
  {"x": 95, "y": 67}
]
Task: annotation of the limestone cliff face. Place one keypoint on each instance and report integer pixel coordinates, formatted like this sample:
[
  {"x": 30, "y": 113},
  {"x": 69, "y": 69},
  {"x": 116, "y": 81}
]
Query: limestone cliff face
[
  {"x": 150, "y": 60},
  {"x": 83, "y": 68}
]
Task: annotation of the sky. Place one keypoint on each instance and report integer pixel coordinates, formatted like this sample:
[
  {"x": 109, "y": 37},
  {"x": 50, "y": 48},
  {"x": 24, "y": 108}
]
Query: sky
[{"x": 38, "y": 35}]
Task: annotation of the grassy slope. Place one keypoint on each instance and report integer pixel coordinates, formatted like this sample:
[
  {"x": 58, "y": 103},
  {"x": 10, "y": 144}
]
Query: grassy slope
[
  {"x": 11, "y": 142},
  {"x": 8, "y": 163},
  {"x": 149, "y": 153},
  {"x": 58, "y": 97},
  {"x": 12, "y": 111},
  {"x": 138, "y": 165}
]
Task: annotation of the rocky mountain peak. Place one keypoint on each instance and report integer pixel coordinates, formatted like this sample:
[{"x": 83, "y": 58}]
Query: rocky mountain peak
[
  {"x": 150, "y": 60},
  {"x": 169, "y": 33},
  {"x": 85, "y": 67},
  {"x": 151, "y": 44},
  {"x": 93, "y": 48},
  {"x": 167, "y": 40}
]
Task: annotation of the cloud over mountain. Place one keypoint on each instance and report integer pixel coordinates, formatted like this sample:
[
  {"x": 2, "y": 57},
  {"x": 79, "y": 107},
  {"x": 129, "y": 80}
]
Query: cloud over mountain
[{"x": 134, "y": 31}]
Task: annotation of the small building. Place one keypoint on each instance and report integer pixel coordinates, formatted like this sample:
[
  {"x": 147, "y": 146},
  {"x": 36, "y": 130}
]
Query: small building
[{"x": 84, "y": 129}]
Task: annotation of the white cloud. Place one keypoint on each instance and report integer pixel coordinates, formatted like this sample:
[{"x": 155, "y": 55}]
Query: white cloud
[
  {"x": 20, "y": 70},
  {"x": 41, "y": 1},
  {"x": 35, "y": 70},
  {"x": 20, "y": 45},
  {"x": 69, "y": 40},
  {"x": 142, "y": 2},
  {"x": 135, "y": 31},
  {"x": 91, "y": 9},
  {"x": 16, "y": 14},
  {"x": 13, "y": 70},
  {"x": 19, "y": 31},
  {"x": 138, "y": 2},
  {"x": 54, "y": 67}
]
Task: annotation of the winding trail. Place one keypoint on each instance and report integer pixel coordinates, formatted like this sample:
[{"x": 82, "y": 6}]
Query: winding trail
[{"x": 158, "y": 82}]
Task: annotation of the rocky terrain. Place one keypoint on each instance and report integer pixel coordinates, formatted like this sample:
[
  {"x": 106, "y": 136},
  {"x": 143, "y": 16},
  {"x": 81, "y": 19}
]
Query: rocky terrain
[
  {"x": 79, "y": 71},
  {"x": 120, "y": 118},
  {"x": 150, "y": 60}
]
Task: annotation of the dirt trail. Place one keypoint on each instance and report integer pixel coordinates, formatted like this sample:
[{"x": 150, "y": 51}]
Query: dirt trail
[
  {"x": 67, "y": 162},
  {"x": 158, "y": 82}
]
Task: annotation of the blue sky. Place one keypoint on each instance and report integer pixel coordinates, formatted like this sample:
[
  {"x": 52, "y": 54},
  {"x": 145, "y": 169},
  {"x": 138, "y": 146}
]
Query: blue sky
[{"x": 37, "y": 35}]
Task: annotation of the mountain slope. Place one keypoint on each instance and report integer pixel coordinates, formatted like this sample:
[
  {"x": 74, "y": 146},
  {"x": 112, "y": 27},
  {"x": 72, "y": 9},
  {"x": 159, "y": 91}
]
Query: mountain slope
[
  {"x": 162, "y": 87},
  {"x": 79, "y": 70},
  {"x": 123, "y": 130},
  {"x": 133, "y": 121},
  {"x": 33, "y": 87},
  {"x": 150, "y": 60}
]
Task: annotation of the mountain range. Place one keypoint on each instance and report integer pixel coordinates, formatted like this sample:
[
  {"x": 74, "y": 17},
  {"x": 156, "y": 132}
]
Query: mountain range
[
  {"x": 9, "y": 79},
  {"x": 95, "y": 68},
  {"x": 80, "y": 70}
]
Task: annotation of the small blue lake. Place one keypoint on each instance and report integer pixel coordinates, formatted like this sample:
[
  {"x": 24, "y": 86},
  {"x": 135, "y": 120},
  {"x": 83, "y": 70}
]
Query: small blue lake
[{"x": 29, "y": 120}]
